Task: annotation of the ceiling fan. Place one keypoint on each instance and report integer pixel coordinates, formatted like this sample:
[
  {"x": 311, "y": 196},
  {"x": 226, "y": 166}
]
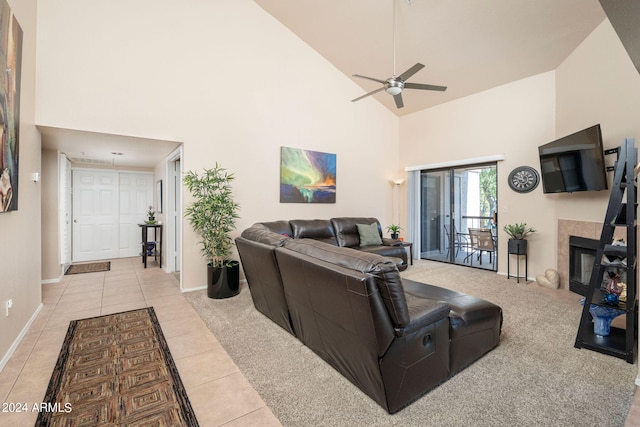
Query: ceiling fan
[{"x": 395, "y": 84}]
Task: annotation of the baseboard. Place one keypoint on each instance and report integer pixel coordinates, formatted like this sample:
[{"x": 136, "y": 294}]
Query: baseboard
[
  {"x": 63, "y": 269},
  {"x": 19, "y": 338},
  {"x": 200, "y": 288},
  {"x": 47, "y": 281},
  {"x": 529, "y": 279}
]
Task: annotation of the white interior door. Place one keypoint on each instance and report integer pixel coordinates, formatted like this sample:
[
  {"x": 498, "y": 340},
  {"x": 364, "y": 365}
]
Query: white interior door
[
  {"x": 95, "y": 214},
  {"x": 136, "y": 195}
]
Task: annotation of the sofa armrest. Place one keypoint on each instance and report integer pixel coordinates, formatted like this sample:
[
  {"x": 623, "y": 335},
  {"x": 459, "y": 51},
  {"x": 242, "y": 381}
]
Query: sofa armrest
[
  {"x": 391, "y": 242},
  {"x": 422, "y": 312}
]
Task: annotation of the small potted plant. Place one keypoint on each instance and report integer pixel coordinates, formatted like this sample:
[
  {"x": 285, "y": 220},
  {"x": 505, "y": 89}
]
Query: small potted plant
[
  {"x": 394, "y": 229},
  {"x": 517, "y": 237},
  {"x": 151, "y": 214},
  {"x": 213, "y": 215}
]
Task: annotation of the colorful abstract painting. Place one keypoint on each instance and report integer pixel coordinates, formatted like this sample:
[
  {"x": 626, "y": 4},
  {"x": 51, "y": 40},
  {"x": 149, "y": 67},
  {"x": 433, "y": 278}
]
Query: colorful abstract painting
[
  {"x": 307, "y": 176},
  {"x": 10, "y": 62}
]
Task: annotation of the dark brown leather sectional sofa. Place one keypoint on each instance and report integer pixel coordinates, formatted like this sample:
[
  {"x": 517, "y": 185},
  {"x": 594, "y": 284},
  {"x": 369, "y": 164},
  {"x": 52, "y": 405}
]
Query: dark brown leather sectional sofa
[{"x": 393, "y": 338}]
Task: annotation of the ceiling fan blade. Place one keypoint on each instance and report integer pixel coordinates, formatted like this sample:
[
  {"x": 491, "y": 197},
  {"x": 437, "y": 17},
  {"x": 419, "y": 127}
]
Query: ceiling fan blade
[
  {"x": 367, "y": 94},
  {"x": 398, "y": 99},
  {"x": 369, "y": 78},
  {"x": 410, "y": 72},
  {"x": 424, "y": 87}
]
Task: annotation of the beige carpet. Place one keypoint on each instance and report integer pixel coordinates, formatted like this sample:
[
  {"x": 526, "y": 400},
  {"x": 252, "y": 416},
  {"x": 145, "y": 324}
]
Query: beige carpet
[{"x": 534, "y": 378}]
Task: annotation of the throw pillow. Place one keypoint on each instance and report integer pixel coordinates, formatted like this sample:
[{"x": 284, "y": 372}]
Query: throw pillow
[{"x": 369, "y": 234}]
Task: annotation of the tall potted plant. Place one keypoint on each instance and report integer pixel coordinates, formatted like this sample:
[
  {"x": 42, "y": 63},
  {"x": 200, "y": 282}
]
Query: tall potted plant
[
  {"x": 517, "y": 237},
  {"x": 213, "y": 215}
]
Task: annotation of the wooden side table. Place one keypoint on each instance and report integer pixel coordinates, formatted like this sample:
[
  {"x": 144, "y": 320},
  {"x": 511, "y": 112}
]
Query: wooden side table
[
  {"x": 157, "y": 249},
  {"x": 410, "y": 246}
]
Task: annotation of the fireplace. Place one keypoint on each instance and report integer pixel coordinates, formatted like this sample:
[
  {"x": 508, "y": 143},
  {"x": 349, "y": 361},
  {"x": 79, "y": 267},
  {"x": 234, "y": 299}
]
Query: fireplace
[{"x": 582, "y": 255}]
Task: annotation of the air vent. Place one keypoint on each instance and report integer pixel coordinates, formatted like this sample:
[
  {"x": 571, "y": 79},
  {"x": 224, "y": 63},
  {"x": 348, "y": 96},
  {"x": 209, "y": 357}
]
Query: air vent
[{"x": 89, "y": 160}]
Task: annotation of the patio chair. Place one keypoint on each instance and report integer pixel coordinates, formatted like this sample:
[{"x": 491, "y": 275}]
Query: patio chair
[
  {"x": 482, "y": 241},
  {"x": 460, "y": 240}
]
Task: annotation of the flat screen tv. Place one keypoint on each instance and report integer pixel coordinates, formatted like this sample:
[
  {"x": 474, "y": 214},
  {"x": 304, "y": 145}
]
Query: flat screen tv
[{"x": 574, "y": 163}]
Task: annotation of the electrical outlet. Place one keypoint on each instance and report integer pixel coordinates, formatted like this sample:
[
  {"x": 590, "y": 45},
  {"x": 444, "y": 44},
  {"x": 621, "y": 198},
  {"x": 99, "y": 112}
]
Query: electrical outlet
[{"x": 8, "y": 305}]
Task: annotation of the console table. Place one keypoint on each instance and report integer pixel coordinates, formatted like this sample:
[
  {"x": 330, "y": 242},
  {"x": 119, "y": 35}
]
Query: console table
[{"x": 156, "y": 252}]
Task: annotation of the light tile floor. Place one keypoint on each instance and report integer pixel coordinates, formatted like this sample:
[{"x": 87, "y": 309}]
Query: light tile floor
[{"x": 219, "y": 393}]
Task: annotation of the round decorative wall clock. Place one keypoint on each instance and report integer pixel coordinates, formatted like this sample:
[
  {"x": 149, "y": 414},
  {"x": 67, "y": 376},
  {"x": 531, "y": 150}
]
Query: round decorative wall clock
[{"x": 524, "y": 179}]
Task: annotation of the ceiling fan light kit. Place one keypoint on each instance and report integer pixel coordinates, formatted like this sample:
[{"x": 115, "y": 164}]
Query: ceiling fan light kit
[
  {"x": 395, "y": 84},
  {"x": 394, "y": 87}
]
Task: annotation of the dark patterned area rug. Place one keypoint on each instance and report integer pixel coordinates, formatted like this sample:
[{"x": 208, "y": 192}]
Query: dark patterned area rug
[
  {"x": 91, "y": 267},
  {"x": 116, "y": 370}
]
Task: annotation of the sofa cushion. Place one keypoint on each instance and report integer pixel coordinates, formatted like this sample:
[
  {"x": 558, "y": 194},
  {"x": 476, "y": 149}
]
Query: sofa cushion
[
  {"x": 347, "y": 231},
  {"x": 344, "y": 257},
  {"x": 262, "y": 235},
  {"x": 369, "y": 234},
  {"x": 318, "y": 229},
  {"x": 383, "y": 269},
  {"x": 279, "y": 227}
]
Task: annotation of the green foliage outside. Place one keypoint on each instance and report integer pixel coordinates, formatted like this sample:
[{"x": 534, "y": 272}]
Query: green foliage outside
[{"x": 488, "y": 196}]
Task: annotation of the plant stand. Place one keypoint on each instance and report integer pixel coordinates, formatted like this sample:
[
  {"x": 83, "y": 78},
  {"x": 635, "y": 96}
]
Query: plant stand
[
  {"x": 518, "y": 247},
  {"x": 154, "y": 250}
]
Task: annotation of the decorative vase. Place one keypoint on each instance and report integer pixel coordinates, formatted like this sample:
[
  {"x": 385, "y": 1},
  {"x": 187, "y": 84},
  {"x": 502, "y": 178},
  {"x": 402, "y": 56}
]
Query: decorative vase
[
  {"x": 602, "y": 317},
  {"x": 223, "y": 282},
  {"x": 151, "y": 246},
  {"x": 517, "y": 246}
]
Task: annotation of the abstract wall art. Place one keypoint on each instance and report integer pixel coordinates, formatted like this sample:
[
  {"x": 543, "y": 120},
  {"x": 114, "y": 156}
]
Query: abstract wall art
[
  {"x": 307, "y": 176},
  {"x": 10, "y": 64}
]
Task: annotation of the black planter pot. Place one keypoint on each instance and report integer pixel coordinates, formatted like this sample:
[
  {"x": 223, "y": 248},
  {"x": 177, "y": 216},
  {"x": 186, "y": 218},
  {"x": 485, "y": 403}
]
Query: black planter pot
[
  {"x": 517, "y": 246},
  {"x": 223, "y": 282},
  {"x": 395, "y": 235}
]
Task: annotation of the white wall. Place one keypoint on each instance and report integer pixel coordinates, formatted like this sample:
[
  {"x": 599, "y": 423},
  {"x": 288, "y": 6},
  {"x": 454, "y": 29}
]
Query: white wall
[
  {"x": 511, "y": 120},
  {"x": 234, "y": 85},
  {"x": 51, "y": 257},
  {"x": 20, "y": 230},
  {"x": 227, "y": 80},
  {"x": 597, "y": 83}
]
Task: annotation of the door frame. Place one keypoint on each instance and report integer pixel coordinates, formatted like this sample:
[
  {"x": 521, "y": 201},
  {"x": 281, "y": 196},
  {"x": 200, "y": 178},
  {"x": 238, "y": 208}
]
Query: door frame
[
  {"x": 174, "y": 206},
  {"x": 448, "y": 202}
]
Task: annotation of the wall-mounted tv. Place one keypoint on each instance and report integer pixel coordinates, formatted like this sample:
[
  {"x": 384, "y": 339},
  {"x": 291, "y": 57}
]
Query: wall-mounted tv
[{"x": 574, "y": 163}]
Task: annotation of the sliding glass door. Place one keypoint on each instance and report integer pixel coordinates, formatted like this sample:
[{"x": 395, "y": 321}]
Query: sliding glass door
[{"x": 457, "y": 212}]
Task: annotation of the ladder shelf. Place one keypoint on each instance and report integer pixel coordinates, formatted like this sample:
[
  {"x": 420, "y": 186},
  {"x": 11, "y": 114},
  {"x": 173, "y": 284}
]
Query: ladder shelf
[{"x": 615, "y": 259}]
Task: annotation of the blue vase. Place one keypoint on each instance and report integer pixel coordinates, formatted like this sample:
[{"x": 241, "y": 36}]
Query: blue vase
[{"x": 602, "y": 317}]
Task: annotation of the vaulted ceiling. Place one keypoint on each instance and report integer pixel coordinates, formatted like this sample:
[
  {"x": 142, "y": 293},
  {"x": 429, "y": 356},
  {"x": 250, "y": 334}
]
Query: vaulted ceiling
[{"x": 467, "y": 45}]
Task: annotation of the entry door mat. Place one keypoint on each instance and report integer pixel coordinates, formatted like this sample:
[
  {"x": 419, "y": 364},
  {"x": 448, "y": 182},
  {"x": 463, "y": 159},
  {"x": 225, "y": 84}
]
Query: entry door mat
[
  {"x": 91, "y": 267},
  {"x": 116, "y": 370}
]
